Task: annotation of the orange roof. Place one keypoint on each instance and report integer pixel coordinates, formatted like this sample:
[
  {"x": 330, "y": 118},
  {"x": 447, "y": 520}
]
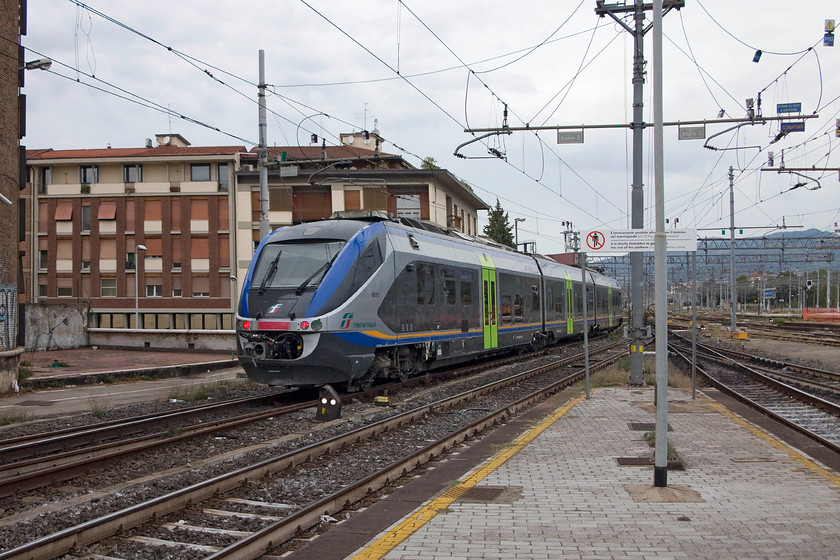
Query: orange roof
[{"x": 136, "y": 152}]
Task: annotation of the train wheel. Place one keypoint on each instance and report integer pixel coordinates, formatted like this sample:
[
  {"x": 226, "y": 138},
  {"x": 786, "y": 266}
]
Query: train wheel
[{"x": 366, "y": 381}]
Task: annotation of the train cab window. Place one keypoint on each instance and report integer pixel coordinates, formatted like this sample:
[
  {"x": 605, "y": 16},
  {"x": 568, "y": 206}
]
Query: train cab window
[
  {"x": 425, "y": 284},
  {"x": 369, "y": 261},
  {"x": 448, "y": 284},
  {"x": 467, "y": 282}
]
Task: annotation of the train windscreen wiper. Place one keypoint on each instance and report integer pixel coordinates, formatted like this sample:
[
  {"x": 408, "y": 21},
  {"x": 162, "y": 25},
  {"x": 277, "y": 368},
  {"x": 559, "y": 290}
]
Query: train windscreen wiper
[
  {"x": 272, "y": 268},
  {"x": 306, "y": 282}
]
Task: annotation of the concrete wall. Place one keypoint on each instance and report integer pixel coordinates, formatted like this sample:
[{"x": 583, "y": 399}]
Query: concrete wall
[
  {"x": 9, "y": 362},
  {"x": 55, "y": 326},
  {"x": 165, "y": 339}
]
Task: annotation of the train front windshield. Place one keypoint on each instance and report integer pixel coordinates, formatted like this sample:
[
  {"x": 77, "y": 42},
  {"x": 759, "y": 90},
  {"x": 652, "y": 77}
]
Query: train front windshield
[{"x": 294, "y": 265}]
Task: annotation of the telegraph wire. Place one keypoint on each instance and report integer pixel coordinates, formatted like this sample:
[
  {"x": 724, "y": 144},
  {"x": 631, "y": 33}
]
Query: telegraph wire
[
  {"x": 133, "y": 97},
  {"x": 744, "y": 43}
]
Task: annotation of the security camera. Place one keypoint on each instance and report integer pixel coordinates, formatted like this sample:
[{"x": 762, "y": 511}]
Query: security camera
[{"x": 5, "y": 200}]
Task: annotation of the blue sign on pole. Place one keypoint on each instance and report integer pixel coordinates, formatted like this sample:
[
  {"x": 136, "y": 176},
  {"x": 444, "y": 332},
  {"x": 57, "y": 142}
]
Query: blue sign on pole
[
  {"x": 798, "y": 126},
  {"x": 769, "y": 293},
  {"x": 788, "y": 107}
]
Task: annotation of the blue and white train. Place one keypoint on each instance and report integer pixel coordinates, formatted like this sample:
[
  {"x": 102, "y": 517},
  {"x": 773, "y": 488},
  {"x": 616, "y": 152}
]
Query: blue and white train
[{"x": 348, "y": 301}]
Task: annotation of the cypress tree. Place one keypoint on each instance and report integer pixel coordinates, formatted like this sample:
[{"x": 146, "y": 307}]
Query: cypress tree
[{"x": 498, "y": 227}]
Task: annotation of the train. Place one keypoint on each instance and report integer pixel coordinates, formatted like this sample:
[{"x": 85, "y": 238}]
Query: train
[{"x": 353, "y": 299}]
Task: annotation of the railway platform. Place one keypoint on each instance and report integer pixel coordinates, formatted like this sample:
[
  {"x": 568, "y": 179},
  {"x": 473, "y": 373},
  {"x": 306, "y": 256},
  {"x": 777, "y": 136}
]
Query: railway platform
[
  {"x": 564, "y": 481},
  {"x": 60, "y": 382}
]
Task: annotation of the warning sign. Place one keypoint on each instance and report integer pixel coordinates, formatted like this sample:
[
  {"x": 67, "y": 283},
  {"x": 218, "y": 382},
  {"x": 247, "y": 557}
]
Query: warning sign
[
  {"x": 632, "y": 240},
  {"x": 594, "y": 241}
]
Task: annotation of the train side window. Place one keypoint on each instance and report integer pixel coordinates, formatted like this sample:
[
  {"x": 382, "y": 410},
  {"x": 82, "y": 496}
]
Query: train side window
[
  {"x": 447, "y": 282},
  {"x": 535, "y": 297},
  {"x": 549, "y": 298},
  {"x": 517, "y": 308},
  {"x": 425, "y": 284},
  {"x": 507, "y": 309},
  {"x": 467, "y": 282}
]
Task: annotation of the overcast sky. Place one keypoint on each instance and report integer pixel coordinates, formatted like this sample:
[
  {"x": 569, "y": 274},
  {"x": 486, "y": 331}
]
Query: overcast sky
[{"x": 425, "y": 71}]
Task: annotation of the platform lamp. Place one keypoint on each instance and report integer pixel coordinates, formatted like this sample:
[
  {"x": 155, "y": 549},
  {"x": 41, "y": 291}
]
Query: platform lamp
[{"x": 137, "y": 287}]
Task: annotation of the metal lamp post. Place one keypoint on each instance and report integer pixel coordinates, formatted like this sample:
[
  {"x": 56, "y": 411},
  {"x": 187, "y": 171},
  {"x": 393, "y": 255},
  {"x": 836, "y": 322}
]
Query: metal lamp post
[
  {"x": 516, "y": 229},
  {"x": 137, "y": 287}
]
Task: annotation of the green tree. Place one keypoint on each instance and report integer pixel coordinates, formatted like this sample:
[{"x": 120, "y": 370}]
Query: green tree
[
  {"x": 498, "y": 227},
  {"x": 429, "y": 163}
]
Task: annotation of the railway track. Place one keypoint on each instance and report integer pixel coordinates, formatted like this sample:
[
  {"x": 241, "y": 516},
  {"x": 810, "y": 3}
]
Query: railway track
[
  {"x": 822, "y": 382},
  {"x": 244, "y": 512},
  {"x": 799, "y": 407},
  {"x": 36, "y": 461}
]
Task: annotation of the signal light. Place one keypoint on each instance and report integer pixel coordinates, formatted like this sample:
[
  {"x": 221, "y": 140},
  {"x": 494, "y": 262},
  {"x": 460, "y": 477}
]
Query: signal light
[
  {"x": 246, "y": 325},
  {"x": 330, "y": 407},
  {"x": 304, "y": 325}
]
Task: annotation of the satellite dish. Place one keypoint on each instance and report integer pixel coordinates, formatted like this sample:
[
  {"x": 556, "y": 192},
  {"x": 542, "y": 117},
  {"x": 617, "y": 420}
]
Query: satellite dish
[
  {"x": 351, "y": 139},
  {"x": 166, "y": 140}
]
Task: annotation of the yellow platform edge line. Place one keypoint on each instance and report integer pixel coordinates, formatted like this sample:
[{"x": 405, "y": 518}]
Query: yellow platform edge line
[
  {"x": 780, "y": 445},
  {"x": 390, "y": 540}
]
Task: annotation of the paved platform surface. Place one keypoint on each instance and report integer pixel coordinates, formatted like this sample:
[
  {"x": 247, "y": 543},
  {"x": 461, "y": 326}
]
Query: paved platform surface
[
  {"x": 72, "y": 363},
  {"x": 91, "y": 377},
  {"x": 559, "y": 492}
]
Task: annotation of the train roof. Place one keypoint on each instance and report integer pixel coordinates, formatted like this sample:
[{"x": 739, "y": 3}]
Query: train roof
[{"x": 344, "y": 225}]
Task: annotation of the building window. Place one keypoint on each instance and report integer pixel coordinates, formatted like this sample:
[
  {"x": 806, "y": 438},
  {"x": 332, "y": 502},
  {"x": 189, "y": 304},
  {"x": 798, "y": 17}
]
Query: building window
[
  {"x": 130, "y": 262},
  {"x": 85, "y": 218},
  {"x": 132, "y": 173},
  {"x": 42, "y": 259},
  {"x": 88, "y": 174},
  {"x": 85, "y": 265},
  {"x": 42, "y": 290},
  {"x": 408, "y": 206},
  {"x": 224, "y": 177},
  {"x": 108, "y": 287},
  {"x": 176, "y": 292},
  {"x": 46, "y": 179},
  {"x": 154, "y": 290},
  {"x": 201, "y": 294},
  {"x": 200, "y": 172},
  {"x": 65, "y": 291}
]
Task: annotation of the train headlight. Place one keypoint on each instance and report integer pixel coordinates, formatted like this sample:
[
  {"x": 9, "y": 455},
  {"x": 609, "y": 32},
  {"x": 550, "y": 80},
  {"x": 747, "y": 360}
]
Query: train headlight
[
  {"x": 317, "y": 325},
  {"x": 246, "y": 325},
  {"x": 304, "y": 325}
]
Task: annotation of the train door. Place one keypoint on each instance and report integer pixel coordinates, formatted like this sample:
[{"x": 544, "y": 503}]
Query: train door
[
  {"x": 570, "y": 318},
  {"x": 609, "y": 306},
  {"x": 488, "y": 294}
]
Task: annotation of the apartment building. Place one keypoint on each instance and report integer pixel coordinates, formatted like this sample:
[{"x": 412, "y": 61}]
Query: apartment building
[
  {"x": 156, "y": 237},
  {"x": 141, "y": 235}
]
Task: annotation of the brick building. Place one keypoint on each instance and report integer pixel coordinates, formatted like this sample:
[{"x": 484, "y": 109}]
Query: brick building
[
  {"x": 12, "y": 129},
  {"x": 135, "y": 233}
]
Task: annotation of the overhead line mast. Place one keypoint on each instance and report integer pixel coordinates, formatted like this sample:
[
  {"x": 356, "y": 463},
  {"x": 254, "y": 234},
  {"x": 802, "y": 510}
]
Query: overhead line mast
[{"x": 637, "y": 201}]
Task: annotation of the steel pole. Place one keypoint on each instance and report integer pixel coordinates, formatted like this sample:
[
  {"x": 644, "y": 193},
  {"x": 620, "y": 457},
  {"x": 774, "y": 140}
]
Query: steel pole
[
  {"x": 585, "y": 321},
  {"x": 660, "y": 468},
  {"x": 694, "y": 325},
  {"x": 637, "y": 200},
  {"x": 733, "y": 291},
  {"x": 263, "y": 151}
]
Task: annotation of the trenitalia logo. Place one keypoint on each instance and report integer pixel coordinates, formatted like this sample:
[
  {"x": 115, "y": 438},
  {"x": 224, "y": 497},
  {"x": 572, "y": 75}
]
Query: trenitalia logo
[{"x": 345, "y": 323}]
